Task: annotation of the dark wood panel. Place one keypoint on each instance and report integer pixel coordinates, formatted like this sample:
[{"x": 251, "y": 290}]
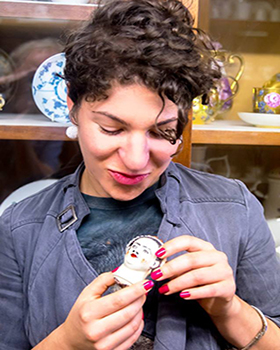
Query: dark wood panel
[
  {"x": 203, "y": 15},
  {"x": 246, "y": 36},
  {"x": 184, "y": 157}
]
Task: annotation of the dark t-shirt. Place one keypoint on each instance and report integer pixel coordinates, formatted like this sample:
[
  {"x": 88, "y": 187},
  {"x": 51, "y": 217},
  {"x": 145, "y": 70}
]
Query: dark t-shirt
[
  {"x": 111, "y": 224},
  {"x": 108, "y": 228}
]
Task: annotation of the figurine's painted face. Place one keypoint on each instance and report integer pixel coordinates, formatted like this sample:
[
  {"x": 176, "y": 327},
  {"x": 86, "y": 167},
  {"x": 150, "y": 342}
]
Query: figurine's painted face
[{"x": 141, "y": 255}]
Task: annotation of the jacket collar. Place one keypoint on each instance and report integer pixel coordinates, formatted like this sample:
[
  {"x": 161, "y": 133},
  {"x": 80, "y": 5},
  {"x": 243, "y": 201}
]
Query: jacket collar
[
  {"x": 169, "y": 194},
  {"x": 74, "y": 179},
  {"x": 75, "y": 207}
]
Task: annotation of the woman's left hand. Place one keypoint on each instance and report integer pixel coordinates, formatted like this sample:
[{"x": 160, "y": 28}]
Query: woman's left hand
[{"x": 202, "y": 273}]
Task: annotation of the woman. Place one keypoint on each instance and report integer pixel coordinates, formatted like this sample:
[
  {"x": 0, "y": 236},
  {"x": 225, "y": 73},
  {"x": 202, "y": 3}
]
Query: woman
[{"x": 132, "y": 73}]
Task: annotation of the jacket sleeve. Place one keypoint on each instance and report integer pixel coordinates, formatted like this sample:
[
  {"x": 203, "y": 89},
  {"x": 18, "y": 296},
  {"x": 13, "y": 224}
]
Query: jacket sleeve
[
  {"x": 12, "y": 333},
  {"x": 258, "y": 272}
]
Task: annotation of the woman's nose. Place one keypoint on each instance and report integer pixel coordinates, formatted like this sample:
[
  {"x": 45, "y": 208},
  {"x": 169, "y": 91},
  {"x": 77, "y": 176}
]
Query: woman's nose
[{"x": 135, "y": 152}]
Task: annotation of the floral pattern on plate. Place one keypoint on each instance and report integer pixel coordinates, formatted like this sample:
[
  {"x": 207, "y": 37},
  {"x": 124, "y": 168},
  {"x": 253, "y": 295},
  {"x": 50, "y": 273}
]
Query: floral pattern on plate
[{"x": 49, "y": 89}]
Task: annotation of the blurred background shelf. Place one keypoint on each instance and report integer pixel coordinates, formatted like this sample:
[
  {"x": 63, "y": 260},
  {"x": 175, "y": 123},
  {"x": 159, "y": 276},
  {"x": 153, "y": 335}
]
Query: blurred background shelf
[
  {"x": 234, "y": 132},
  {"x": 45, "y": 10},
  {"x": 223, "y": 132},
  {"x": 31, "y": 127}
]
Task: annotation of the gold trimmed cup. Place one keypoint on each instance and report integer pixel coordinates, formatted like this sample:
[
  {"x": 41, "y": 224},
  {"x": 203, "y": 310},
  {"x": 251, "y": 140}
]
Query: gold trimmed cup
[{"x": 266, "y": 100}]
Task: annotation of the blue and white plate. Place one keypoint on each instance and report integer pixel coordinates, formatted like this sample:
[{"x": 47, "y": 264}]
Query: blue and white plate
[{"x": 49, "y": 90}]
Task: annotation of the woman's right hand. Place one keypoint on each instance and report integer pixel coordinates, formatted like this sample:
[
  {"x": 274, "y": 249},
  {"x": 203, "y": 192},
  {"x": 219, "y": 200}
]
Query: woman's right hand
[{"x": 114, "y": 321}]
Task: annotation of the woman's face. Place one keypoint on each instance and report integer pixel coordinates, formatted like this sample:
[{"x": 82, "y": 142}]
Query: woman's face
[{"x": 122, "y": 150}]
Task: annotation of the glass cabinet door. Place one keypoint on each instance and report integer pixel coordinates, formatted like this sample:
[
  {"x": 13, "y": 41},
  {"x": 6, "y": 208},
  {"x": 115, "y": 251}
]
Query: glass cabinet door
[
  {"x": 242, "y": 139},
  {"x": 31, "y": 32},
  {"x": 250, "y": 29}
]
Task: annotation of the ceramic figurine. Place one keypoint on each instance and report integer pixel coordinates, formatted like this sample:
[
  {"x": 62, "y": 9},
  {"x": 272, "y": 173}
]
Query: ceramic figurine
[
  {"x": 2, "y": 102},
  {"x": 139, "y": 261}
]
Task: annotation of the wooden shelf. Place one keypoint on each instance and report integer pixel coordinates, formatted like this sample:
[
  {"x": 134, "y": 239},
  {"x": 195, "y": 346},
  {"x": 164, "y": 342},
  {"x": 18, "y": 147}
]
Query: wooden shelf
[
  {"x": 52, "y": 10},
  {"x": 38, "y": 127},
  {"x": 31, "y": 127},
  {"x": 235, "y": 132},
  {"x": 45, "y": 10}
]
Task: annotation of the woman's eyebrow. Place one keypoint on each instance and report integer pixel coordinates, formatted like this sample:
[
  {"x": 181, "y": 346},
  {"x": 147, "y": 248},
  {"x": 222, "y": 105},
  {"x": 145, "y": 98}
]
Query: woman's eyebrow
[
  {"x": 111, "y": 116},
  {"x": 119, "y": 120},
  {"x": 174, "y": 119}
]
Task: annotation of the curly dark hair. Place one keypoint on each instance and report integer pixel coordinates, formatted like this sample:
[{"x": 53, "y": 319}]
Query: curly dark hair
[{"x": 151, "y": 42}]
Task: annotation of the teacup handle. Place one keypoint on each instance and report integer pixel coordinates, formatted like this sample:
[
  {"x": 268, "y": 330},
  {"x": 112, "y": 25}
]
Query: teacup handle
[
  {"x": 223, "y": 158},
  {"x": 231, "y": 58},
  {"x": 234, "y": 91},
  {"x": 254, "y": 189}
]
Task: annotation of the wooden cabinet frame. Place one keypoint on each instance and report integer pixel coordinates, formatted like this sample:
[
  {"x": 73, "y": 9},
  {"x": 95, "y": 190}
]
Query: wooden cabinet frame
[{"x": 208, "y": 135}]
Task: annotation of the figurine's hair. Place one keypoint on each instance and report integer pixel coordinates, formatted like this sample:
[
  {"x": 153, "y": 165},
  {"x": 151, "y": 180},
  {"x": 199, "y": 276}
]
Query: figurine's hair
[
  {"x": 154, "y": 238},
  {"x": 149, "y": 42}
]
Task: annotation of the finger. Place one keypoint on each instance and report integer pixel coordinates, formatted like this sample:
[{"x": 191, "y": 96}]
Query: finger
[
  {"x": 109, "y": 304},
  {"x": 188, "y": 262},
  {"x": 130, "y": 341},
  {"x": 179, "y": 244},
  {"x": 131, "y": 331},
  {"x": 120, "y": 319},
  {"x": 199, "y": 277},
  {"x": 98, "y": 286},
  {"x": 214, "y": 290}
]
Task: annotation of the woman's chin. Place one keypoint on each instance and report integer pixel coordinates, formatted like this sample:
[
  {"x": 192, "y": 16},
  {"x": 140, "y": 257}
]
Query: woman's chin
[{"x": 126, "y": 192}]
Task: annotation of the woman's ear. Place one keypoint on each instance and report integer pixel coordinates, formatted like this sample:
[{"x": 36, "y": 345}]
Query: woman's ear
[{"x": 70, "y": 103}]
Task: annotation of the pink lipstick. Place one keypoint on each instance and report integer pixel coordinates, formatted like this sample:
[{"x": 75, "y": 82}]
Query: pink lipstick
[{"x": 126, "y": 179}]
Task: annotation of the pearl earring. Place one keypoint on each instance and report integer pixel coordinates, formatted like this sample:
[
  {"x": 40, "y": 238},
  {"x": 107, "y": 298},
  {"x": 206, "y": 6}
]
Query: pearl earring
[{"x": 72, "y": 132}]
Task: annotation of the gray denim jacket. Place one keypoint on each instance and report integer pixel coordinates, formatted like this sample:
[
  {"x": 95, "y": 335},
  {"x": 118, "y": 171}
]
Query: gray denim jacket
[{"x": 43, "y": 269}]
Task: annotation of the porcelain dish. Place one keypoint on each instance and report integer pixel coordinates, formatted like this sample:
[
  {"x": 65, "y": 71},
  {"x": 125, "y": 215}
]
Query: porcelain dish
[
  {"x": 49, "y": 89},
  {"x": 261, "y": 119}
]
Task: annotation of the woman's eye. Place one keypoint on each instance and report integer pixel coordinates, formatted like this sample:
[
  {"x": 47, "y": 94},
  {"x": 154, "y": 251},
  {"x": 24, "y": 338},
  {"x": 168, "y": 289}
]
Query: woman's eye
[
  {"x": 155, "y": 134},
  {"x": 110, "y": 132}
]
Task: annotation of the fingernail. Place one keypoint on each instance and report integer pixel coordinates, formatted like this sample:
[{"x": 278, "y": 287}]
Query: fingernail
[
  {"x": 185, "y": 294},
  {"x": 115, "y": 269},
  {"x": 164, "y": 289},
  {"x": 156, "y": 274},
  {"x": 148, "y": 285},
  {"x": 160, "y": 252}
]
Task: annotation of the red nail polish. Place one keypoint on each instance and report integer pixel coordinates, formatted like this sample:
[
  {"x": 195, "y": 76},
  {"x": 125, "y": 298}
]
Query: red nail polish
[
  {"x": 148, "y": 285},
  {"x": 156, "y": 274},
  {"x": 160, "y": 252},
  {"x": 115, "y": 269},
  {"x": 185, "y": 294},
  {"x": 164, "y": 289}
]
